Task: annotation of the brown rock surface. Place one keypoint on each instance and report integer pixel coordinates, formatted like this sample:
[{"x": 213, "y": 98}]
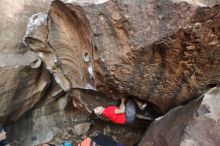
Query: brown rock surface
[
  {"x": 166, "y": 52},
  {"x": 143, "y": 49},
  {"x": 196, "y": 124}
]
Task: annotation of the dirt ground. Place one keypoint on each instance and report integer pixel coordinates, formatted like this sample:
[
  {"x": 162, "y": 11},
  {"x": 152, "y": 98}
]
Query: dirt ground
[{"x": 124, "y": 134}]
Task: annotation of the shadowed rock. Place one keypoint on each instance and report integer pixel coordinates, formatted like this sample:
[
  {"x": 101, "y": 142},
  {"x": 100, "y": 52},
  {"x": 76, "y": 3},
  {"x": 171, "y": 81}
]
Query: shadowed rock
[
  {"x": 196, "y": 124},
  {"x": 21, "y": 86}
]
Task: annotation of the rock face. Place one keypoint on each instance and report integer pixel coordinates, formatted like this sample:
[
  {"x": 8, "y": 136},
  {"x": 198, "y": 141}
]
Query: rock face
[
  {"x": 22, "y": 89},
  {"x": 196, "y": 124},
  {"x": 21, "y": 85},
  {"x": 132, "y": 48},
  {"x": 164, "y": 52}
]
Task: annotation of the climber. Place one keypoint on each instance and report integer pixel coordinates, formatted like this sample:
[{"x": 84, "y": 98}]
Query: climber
[
  {"x": 122, "y": 114},
  {"x": 2, "y": 136}
]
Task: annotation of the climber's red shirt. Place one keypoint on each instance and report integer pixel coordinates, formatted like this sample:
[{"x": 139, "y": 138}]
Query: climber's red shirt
[{"x": 109, "y": 113}]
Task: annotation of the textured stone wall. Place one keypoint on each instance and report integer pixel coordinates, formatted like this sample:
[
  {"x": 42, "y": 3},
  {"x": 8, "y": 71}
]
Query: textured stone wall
[
  {"x": 21, "y": 86},
  {"x": 162, "y": 51},
  {"x": 195, "y": 124}
]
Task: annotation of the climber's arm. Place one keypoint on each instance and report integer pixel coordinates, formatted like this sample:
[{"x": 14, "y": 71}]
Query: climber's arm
[{"x": 121, "y": 108}]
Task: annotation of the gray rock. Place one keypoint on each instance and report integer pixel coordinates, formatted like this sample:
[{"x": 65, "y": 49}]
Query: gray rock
[
  {"x": 195, "y": 124},
  {"x": 81, "y": 129}
]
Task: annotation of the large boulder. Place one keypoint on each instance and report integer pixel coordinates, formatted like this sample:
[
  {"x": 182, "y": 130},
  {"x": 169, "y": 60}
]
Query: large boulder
[
  {"x": 196, "y": 124},
  {"x": 21, "y": 85},
  {"x": 156, "y": 50}
]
